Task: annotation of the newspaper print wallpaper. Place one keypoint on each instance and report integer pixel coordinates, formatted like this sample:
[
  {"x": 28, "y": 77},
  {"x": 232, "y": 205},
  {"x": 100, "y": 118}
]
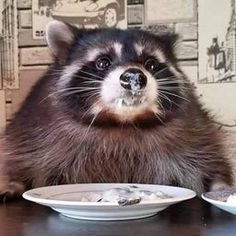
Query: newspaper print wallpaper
[
  {"x": 207, "y": 51},
  {"x": 102, "y": 13}
]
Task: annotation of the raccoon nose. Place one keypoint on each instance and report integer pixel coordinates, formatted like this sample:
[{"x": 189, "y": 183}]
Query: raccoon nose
[{"x": 133, "y": 79}]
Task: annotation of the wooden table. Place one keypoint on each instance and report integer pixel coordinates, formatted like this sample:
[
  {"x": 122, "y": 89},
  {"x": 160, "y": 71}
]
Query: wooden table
[{"x": 193, "y": 217}]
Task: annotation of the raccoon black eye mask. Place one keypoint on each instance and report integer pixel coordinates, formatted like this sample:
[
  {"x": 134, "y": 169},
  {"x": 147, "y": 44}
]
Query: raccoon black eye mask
[
  {"x": 113, "y": 107},
  {"x": 118, "y": 76}
]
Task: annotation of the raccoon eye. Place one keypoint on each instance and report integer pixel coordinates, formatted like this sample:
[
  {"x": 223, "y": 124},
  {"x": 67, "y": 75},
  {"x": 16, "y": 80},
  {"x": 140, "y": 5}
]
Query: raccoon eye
[
  {"x": 151, "y": 64},
  {"x": 103, "y": 62}
]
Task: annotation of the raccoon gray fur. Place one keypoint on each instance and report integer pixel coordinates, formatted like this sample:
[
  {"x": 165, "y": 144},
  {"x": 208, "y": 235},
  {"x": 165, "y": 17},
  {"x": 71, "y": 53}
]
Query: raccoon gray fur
[{"x": 113, "y": 107}]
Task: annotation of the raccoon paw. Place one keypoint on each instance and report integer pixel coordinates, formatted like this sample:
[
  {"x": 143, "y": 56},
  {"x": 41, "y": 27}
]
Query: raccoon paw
[{"x": 10, "y": 192}]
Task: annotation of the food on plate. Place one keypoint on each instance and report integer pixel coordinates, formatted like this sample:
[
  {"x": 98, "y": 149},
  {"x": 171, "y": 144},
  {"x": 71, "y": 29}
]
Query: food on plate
[
  {"x": 228, "y": 196},
  {"x": 124, "y": 196},
  {"x": 232, "y": 199}
]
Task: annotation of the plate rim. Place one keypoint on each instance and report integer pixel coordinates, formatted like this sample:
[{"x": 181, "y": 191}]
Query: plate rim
[
  {"x": 26, "y": 195},
  {"x": 216, "y": 201}
]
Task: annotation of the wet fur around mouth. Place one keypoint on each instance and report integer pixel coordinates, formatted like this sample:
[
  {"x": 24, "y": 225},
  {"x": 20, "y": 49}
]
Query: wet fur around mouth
[{"x": 54, "y": 141}]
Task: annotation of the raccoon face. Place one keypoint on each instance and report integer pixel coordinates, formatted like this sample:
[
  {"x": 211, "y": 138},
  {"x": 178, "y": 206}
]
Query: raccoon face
[{"x": 117, "y": 75}]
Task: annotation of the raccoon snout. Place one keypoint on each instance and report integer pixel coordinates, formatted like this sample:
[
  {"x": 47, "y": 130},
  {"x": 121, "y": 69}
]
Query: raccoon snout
[{"x": 133, "y": 79}]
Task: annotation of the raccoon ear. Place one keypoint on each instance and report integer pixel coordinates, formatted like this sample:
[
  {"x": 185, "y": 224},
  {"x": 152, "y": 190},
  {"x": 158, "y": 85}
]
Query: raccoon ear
[
  {"x": 60, "y": 36},
  {"x": 171, "y": 42}
]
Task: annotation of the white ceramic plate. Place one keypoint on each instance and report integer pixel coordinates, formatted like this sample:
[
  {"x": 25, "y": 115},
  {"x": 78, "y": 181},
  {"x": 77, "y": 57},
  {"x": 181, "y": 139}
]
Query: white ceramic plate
[
  {"x": 64, "y": 199},
  {"x": 218, "y": 199}
]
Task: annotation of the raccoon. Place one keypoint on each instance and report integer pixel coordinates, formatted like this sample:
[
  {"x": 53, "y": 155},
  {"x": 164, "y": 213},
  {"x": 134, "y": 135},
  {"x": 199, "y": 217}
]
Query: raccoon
[{"x": 114, "y": 107}]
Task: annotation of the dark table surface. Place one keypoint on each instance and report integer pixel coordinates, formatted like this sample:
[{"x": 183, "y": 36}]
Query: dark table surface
[{"x": 193, "y": 217}]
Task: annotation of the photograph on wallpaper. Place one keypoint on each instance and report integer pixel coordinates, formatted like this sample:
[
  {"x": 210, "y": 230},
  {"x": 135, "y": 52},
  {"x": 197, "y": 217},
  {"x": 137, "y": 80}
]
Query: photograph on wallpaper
[
  {"x": 165, "y": 11},
  {"x": 217, "y": 44},
  {"x": 135, "y": 14},
  {"x": 83, "y": 13}
]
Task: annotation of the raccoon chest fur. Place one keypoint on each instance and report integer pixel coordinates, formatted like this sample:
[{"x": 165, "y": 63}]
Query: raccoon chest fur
[{"x": 130, "y": 156}]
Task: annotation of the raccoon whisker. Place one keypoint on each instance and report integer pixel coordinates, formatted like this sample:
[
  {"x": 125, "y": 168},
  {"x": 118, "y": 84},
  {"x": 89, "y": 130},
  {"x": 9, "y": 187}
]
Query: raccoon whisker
[
  {"x": 91, "y": 82},
  {"x": 78, "y": 89},
  {"x": 159, "y": 71},
  {"x": 72, "y": 88},
  {"x": 87, "y": 78},
  {"x": 175, "y": 95},
  {"x": 93, "y": 95},
  {"x": 164, "y": 96},
  {"x": 158, "y": 117},
  {"x": 83, "y": 78},
  {"x": 52, "y": 94},
  {"x": 94, "y": 75},
  {"x": 86, "y": 113},
  {"x": 91, "y": 85},
  {"x": 172, "y": 82},
  {"x": 164, "y": 79},
  {"x": 90, "y": 95},
  {"x": 171, "y": 88},
  {"x": 90, "y": 125},
  {"x": 168, "y": 78},
  {"x": 53, "y": 70},
  {"x": 174, "y": 87},
  {"x": 172, "y": 79},
  {"x": 162, "y": 108},
  {"x": 74, "y": 92},
  {"x": 87, "y": 92},
  {"x": 85, "y": 88},
  {"x": 82, "y": 88},
  {"x": 93, "y": 92},
  {"x": 90, "y": 109},
  {"x": 81, "y": 91},
  {"x": 171, "y": 102},
  {"x": 89, "y": 73}
]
